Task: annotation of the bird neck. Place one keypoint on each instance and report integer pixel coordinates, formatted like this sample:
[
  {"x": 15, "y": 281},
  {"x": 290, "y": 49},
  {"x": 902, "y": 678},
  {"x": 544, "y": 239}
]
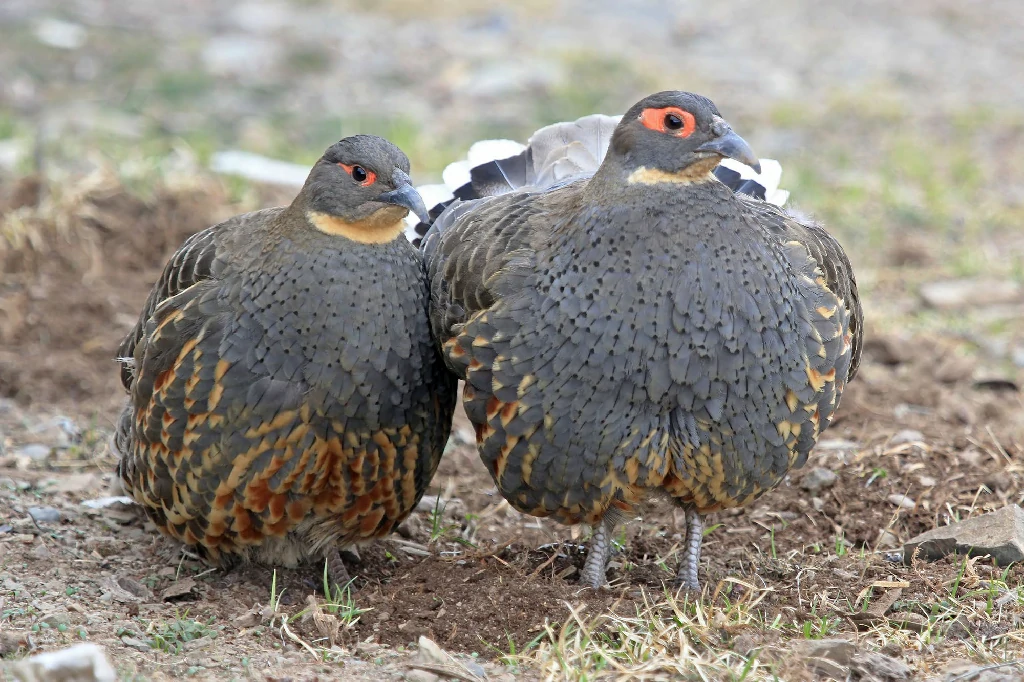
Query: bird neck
[
  {"x": 615, "y": 178},
  {"x": 380, "y": 227}
]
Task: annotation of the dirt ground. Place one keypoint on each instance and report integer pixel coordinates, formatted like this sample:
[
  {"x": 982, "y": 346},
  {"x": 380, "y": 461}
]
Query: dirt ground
[{"x": 897, "y": 127}]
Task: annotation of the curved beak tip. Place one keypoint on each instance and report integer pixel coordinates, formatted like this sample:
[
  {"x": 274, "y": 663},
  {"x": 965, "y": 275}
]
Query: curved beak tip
[
  {"x": 406, "y": 196},
  {"x": 732, "y": 146}
]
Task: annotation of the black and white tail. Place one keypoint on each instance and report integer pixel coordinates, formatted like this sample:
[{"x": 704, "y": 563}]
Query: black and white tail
[{"x": 555, "y": 154}]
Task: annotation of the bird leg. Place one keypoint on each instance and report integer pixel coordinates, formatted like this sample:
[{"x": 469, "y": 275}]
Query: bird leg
[
  {"x": 686, "y": 577},
  {"x": 336, "y": 571},
  {"x": 600, "y": 549}
]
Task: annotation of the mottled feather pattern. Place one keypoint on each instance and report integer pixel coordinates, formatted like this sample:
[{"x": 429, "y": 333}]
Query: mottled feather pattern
[
  {"x": 286, "y": 397},
  {"x": 829, "y": 257},
  {"x": 688, "y": 382},
  {"x": 190, "y": 264}
]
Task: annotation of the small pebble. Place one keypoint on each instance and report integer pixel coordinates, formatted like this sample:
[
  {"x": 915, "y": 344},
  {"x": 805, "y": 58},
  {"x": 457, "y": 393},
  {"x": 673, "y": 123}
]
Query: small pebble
[
  {"x": 35, "y": 451},
  {"x": 901, "y": 501},
  {"x": 818, "y": 479},
  {"x": 44, "y": 514},
  {"x": 888, "y": 540},
  {"x": 56, "y": 618},
  {"x": 907, "y": 436}
]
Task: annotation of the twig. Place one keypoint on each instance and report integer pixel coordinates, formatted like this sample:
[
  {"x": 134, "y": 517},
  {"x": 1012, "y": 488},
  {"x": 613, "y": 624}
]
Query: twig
[
  {"x": 536, "y": 572},
  {"x": 298, "y": 640}
]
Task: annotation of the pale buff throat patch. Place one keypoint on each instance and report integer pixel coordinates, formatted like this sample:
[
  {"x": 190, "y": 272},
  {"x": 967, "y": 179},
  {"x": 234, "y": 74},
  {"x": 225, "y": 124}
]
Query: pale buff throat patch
[
  {"x": 694, "y": 174},
  {"x": 377, "y": 229}
]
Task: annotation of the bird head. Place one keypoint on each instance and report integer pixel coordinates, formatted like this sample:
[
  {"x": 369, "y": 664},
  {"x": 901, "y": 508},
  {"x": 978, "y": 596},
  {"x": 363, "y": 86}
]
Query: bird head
[
  {"x": 360, "y": 188},
  {"x": 675, "y": 136}
]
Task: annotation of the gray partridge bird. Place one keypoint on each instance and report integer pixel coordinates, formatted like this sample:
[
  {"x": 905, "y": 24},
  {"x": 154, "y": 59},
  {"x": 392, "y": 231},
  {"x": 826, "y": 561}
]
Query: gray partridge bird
[
  {"x": 627, "y": 325},
  {"x": 285, "y": 396}
]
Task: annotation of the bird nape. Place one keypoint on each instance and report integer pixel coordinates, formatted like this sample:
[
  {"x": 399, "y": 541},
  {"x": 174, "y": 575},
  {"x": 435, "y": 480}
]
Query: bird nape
[
  {"x": 631, "y": 318},
  {"x": 285, "y": 395}
]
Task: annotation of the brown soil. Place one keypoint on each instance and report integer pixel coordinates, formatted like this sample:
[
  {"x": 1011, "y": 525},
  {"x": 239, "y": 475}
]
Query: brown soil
[{"x": 85, "y": 262}]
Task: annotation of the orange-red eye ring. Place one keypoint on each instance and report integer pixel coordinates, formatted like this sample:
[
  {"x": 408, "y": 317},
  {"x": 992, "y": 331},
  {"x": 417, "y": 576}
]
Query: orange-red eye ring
[
  {"x": 370, "y": 178},
  {"x": 657, "y": 120}
]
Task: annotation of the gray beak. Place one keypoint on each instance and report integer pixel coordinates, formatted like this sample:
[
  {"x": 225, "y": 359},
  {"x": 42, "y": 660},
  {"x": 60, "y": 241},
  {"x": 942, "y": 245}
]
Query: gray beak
[
  {"x": 732, "y": 146},
  {"x": 405, "y": 195}
]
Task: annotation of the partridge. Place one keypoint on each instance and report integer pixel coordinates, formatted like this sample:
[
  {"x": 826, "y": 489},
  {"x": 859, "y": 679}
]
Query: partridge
[
  {"x": 285, "y": 396},
  {"x": 628, "y": 325}
]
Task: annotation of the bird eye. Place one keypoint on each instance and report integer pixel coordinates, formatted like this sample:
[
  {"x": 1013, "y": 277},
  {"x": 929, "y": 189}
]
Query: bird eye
[
  {"x": 669, "y": 120},
  {"x": 359, "y": 174}
]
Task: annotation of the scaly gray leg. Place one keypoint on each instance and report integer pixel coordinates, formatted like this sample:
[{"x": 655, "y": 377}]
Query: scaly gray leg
[
  {"x": 687, "y": 574},
  {"x": 336, "y": 571},
  {"x": 600, "y": 549}
]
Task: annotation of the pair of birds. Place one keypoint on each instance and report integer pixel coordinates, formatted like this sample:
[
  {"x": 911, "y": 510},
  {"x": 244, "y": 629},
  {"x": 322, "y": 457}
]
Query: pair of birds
[{"x": 625, "y": 323}]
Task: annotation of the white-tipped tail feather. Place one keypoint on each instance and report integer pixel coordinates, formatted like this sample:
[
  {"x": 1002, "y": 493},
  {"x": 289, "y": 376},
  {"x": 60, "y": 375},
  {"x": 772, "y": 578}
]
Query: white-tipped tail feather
[
  {"x": 769, "y": 178},
  {"x": 457, "y": 174}
]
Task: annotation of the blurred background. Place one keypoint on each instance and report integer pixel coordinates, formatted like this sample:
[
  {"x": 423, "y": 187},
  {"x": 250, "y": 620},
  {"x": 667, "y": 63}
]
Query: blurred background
[{"x": 900, "y": 125}]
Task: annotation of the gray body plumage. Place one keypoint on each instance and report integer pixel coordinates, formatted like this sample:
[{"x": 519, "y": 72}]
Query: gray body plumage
[
  {"x": 618, "y": 339},
  {"x": 285, "y": 394}
]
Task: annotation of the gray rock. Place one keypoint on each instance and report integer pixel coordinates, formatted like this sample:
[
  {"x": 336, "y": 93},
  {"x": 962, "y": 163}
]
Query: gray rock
[
  {"x": 474, "y": 668},
  {"x": 826, "y": 669},
  {"x": 902, "y": 501},
  {"x": 958, "y": 293},
  {"x": 872, "y": 666},
  {"x": 907, "y": 436},
  {"x": 137, "y": 644},
  {"x": 35, "y": 451},
  {"x": 999, "y": 534},
  {"x": 63, "y": 35},
  {"x": 44, "y": 514},
  {"x": 963, "y": 670},
  {"x": 887, "y": 540},
  {"x": 818, "y": 479},
  {"x": 839, "y": 651},
  {"x": 55, "y": 618},
  {"x": 421, "y": 676}
]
